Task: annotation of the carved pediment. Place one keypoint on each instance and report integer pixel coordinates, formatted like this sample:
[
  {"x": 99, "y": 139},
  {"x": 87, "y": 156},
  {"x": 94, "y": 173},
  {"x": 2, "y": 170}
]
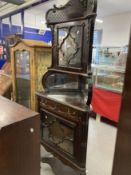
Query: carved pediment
[{"x": 72, "y": 10}]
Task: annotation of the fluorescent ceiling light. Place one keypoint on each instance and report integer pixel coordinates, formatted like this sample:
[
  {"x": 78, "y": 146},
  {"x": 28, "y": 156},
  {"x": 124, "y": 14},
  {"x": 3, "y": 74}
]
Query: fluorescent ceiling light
[{"x": 99, "y": 20}]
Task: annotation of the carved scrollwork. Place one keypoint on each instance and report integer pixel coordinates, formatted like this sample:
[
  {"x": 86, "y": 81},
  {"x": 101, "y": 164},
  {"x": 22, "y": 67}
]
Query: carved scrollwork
[
  {"x": 84, "y": 3},
  {"x": 73, "y": 9},
  {"x": 91, "y": 6}
]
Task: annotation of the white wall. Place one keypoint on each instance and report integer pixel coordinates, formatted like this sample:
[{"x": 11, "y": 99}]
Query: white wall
[
  {"x": 116, "y": 29},
  {"x": 35, "y": 17},
  {"x": 31, "y": 20}
]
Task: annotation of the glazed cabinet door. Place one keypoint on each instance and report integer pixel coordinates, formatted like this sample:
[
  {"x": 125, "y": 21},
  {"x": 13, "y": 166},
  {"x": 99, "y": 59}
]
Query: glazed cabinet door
[
  {"x": 21, "y": 76},
  {"x": 61, "y": 137}
]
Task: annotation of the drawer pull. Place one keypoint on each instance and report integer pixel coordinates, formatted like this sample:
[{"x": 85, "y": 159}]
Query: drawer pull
[{"x": 32, "y": 130}]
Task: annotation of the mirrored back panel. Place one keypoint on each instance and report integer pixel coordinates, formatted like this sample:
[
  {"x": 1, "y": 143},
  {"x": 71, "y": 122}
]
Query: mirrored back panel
[{"x": 66, "y": 82}]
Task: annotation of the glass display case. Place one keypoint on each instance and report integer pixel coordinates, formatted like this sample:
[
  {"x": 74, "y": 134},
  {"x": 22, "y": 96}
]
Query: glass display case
[
  {"x": 110, "y": 56},
  {"x": 108, "y": 66},
  {"x": 29, "y": 59},
  {"x": 109, "y": 77},
  {"x": 23, "y": 73}
]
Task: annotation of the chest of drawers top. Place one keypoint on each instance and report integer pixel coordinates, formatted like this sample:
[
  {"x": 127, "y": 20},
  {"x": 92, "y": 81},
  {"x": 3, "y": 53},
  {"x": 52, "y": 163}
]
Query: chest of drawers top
[{"x": 11, "y": 112}]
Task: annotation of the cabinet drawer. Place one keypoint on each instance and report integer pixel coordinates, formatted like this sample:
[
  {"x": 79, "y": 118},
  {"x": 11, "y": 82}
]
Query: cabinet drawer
[{"x": 60, "y": 109}]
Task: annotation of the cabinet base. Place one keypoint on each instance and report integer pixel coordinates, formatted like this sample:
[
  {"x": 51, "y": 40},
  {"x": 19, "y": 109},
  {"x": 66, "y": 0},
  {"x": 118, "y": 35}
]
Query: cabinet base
[{"x": 59, "y": 168}]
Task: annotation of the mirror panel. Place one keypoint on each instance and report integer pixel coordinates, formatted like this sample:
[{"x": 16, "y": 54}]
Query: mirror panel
[
  {"x": 66, "y": 82},
  {"x": 61, "y": 81}
]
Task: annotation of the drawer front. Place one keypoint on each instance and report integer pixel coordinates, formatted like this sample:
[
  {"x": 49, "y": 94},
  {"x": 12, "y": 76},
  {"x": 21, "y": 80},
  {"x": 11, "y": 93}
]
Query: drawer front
[{"x": 60, "y": 109}]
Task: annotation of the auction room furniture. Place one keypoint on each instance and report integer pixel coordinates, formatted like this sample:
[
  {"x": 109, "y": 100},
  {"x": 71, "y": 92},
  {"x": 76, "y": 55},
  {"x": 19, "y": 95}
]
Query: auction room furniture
[
  {"x": 107, "y": 91},
  {"x": 65, "y": 104},
  {"x": 29, "y": 60},
  {"x": 19, "y": 139}
]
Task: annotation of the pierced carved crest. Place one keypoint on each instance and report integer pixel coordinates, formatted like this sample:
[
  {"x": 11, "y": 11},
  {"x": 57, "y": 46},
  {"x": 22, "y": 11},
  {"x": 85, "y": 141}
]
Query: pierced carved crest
[{"x": 73, "y": 9}]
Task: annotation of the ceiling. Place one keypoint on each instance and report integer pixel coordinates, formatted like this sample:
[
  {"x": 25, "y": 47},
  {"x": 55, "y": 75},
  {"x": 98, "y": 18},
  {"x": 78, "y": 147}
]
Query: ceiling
[
  {"x": 7, "y": 6},
  {"x": 42, "y": 8},
  {"x": 105, "y": 7},
  {"x": 14, "y": 1}
]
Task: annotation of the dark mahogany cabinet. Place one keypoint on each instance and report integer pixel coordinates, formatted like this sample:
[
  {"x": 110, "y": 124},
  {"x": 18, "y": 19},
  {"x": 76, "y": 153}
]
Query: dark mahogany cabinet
[
  {"x": 64, "y": 125},
  {"x": 19, "y": 139},
  {"x": 64, "y": 104}
]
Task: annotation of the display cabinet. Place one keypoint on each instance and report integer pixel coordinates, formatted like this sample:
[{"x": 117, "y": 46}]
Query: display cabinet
[
  {"x": 65, "y": 104},
  {"x": 29, "y": 60},
  {"x": 109, "y": 77},
  {"x": 110, "y": 56}
]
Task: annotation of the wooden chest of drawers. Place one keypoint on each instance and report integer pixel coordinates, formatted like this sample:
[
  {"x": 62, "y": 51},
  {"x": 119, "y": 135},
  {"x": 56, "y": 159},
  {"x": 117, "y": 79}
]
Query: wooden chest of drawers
[{"x": 19, "y": 140}]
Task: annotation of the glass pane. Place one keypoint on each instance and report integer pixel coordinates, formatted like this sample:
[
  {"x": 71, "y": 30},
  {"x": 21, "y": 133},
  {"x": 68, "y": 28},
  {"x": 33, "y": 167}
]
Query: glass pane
[
  {"x": 57, "y": 132},
  {"x": 113, "y": 56},
  {"x": 70, "y": 44},
  {"x": 109, "y": 79},
  {"x": 22, "y": 78},
  {"x": 63, "y": 81}
]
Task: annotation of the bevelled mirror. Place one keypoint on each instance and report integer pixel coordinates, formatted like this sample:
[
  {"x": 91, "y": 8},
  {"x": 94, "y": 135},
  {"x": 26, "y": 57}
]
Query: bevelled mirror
[{"x": 65, "y": 82}]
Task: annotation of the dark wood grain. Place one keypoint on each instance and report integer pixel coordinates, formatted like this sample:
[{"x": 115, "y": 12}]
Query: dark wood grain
[
  {"x": 10, "y": 112},
  {"x": 19, "y": 140},
  {"x": 122, "y": 159},
  {"x": 73, "y": 99},
  {"x": 65, "y": 105}
]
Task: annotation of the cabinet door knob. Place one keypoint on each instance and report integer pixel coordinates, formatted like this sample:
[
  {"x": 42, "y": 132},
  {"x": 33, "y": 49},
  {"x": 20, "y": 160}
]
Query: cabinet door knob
[{"x": 32, "y": 130}]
